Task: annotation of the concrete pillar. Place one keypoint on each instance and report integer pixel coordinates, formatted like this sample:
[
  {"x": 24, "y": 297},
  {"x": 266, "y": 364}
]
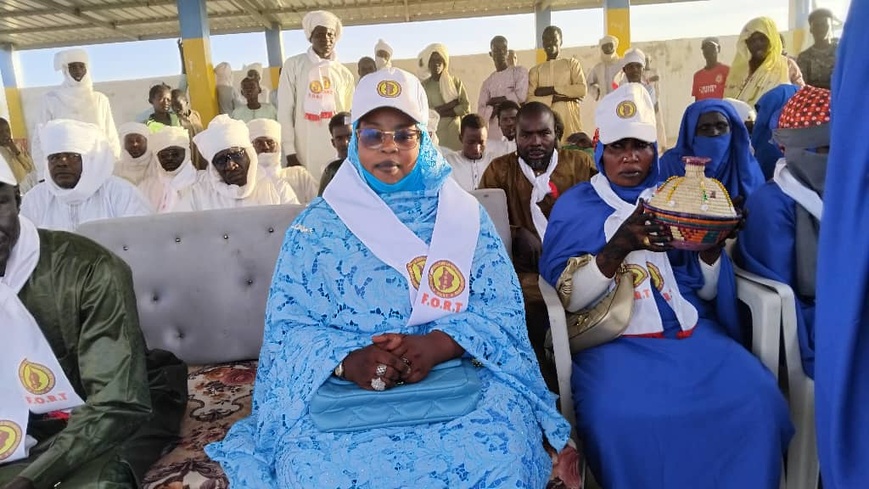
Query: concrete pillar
[
  {"x": 275, "y": 48},
  {"x": 799, "y": 11},
  {"x": 9, "y": 71},
  {"x": 542, "y": 20},
  {"x": 617, "y": 22},
  {"x": 193, "y": 18}
]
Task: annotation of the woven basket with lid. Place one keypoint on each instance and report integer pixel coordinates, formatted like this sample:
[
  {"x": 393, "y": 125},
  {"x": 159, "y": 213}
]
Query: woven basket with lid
[{"x": 696, "y": 208}]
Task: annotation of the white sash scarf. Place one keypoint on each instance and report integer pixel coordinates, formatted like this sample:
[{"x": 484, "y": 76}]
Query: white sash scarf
[
  {"x": 31, "y": 379},
  {"x": 539, "y": 189},
  {"x": 320, "y": 91},
  {"x": 649, "y": 269},
  {"x": 437, "y": 275},
  {"x": 793, "y": 188}
]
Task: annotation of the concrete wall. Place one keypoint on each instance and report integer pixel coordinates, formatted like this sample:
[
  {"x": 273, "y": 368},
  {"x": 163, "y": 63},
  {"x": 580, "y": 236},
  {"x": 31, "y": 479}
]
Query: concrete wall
[{"x": 675, "y": 60}]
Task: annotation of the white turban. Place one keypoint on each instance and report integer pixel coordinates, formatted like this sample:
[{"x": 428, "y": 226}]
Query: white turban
[
  {"x": 269, "y": 128},
  {"x": 133, "y": 128},
  {"x": 634, "y": 55},
  {"x": 323, "y": 18},
  {"x": 170, "y": 136},
  {"x": 609, "y": 40},
  {"x": 223, "y": 133},
  {"x": 445, "y": 84},
  {"x": 383, "y": 46},
  {"x": 62, "y": 59},
  {"x": 88, "y": 140},
  {"x": 6, "y": 175}
]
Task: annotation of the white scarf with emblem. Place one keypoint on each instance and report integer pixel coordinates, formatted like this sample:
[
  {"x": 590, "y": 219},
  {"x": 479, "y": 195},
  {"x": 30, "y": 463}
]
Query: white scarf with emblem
[
  {"x": 31, "y": 379},
  {"x": 437, "y": 275},
  {"x": 320, "y": 93},
  {"x": 649, "y": 269}
]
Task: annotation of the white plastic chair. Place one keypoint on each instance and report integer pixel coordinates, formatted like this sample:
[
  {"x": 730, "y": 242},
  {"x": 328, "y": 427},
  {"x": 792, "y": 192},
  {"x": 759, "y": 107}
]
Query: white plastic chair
[{"x": 803, "y": 468}]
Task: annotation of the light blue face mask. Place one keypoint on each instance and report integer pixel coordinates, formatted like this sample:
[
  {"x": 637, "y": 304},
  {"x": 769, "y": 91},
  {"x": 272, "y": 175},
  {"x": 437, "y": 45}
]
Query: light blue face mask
[{"x": 411, "y": 181}]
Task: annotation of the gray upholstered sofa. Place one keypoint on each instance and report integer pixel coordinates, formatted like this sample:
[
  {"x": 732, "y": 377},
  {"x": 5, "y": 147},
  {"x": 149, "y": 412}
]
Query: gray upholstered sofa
[{"x": 202, "y": 282}]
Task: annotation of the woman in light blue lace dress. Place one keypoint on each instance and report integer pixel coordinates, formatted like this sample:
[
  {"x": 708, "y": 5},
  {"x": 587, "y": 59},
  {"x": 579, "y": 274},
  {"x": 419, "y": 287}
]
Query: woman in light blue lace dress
[{"x": 334, "y": 302}]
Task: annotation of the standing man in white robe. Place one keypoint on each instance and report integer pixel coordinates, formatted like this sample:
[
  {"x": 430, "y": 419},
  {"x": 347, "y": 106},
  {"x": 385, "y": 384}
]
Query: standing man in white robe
[
  {"x": 602, "y": 77},
  {"x": 314, "y": 86},
  {"x": 79, "y": 185},
  {"x": 232, "y": 179},
  {"x": 505, "y": 83},
  {"x": 172, "y": 175},
  {"x": 135, "y": 162},
  {"x": 382, "y": 55},
  {"x": 265, "y": 136},
  {"x": 75, "y": 99}
]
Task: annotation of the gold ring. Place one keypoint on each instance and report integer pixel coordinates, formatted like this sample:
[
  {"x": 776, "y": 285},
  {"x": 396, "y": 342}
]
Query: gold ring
[{"x": 646, "y": 241}]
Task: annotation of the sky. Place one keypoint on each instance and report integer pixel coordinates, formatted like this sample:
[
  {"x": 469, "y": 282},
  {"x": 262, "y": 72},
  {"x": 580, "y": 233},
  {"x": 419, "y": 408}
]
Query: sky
[{"x": 152, "y": 59}]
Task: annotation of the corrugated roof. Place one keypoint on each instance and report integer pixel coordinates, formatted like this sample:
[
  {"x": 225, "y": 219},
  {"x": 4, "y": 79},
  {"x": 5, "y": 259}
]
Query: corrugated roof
[{"x": 30, "y": 24}]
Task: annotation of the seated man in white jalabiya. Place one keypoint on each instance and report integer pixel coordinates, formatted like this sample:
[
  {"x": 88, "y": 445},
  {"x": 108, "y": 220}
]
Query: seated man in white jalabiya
[
  {"x": 79, "y": 185},
  {"x": 173, "y": 175},
  {"x": 232, "y": 179},
  {"x": 265, "y": 135},
  {"x": 136, "y": 154}
]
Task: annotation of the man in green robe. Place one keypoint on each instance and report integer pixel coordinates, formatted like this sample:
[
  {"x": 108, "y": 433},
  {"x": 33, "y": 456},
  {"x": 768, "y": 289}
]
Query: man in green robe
[{"x": 81, "y": 297}]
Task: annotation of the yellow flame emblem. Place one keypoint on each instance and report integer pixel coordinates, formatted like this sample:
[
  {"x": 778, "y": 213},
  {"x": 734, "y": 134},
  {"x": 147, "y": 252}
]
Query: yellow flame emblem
[
  {"x": 10, "y": 438},
  {"x": 36, "y": 378},
  {"x": 446, "y": 280}
]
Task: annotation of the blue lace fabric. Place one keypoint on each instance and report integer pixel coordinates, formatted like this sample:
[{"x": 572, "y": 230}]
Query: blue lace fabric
[{"x": 329, "y": 296}]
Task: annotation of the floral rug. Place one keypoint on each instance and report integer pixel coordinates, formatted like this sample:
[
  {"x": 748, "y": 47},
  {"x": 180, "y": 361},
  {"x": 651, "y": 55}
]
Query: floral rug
[{"x": 220, "y": 395}]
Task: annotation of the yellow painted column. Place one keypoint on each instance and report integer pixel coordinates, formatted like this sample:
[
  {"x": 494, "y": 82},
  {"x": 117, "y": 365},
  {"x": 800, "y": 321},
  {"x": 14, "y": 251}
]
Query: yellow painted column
[
  {"x": 617, "y": 17},
  {"x": 195, "y": 33},
  {"x": 275, "y": 50},
  {"x": 799, "y": 11},
  {"x": 9, "y": 71},
  {"x": 542, "y": 20}
]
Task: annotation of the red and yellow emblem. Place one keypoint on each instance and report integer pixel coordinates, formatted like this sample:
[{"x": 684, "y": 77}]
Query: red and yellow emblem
[
  {"x": 639, "y": 273},
  {"x": 389, "y": 89},
  {"x": 414, "y": 270},
  {"x": 315, "y": 87},
  {"x": 446, "y": 280},
  {"x": 657, "y": 278},
  {"x": 36, "y": 378},
  {"x": 10, "y": 438},
  {"x": 626, "y": 109}
]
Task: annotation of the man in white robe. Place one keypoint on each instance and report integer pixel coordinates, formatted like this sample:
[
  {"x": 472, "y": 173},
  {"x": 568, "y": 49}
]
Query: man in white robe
[
  {"x": 75, "y": 99},
  {"x": 505, "y": 83},
  {"x": 265, "y": 135},
  {"x": 79, "y": 185},
  {"x": 471, "y": 161},
  {"x": 602, "y": 77},
  {"x": 136, "y": 155},
  {"x": 232, "y": 179},
  {"x": 382, "y": 55},
  {"x": 172, "y": 175},
  {"x": 314, "y": 86}
]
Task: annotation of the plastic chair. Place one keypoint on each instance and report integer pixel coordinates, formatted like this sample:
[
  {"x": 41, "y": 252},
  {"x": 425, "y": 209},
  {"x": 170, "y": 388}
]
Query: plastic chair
[{"x": 803, "y": 468}]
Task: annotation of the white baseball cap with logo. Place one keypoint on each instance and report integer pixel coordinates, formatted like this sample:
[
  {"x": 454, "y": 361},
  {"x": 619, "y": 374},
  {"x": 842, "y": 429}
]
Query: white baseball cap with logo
[
  {"x": 390, "y": 87},
  {"x": 627, "y": 112}
]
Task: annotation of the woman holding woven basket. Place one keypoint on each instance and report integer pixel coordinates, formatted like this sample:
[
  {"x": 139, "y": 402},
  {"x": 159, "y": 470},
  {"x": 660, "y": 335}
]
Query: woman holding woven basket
[{"x": 674, "y": 401}]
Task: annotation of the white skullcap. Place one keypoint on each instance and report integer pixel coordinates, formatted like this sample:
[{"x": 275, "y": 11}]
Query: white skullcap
[
  {"x": 609, "y": 40},
  {"x": 6, "y": 175},
  {"x": 133, "y": 128},
  {"x": 62, "y": 59},
  {"x": 634, "y": 55},
  {"x": 745, "y": 111},
  {"x": 223, "y": 133},
  {"x": 627, "y": 112},
  {"x": 269, "y": 128},
  {"x": 390, "y": 87},
  {"x": 167, "y": 137},
  {"x": 323, "y": 18},
  {"x": 258, "y": 67},
  {"x": 383, "y": 46}
]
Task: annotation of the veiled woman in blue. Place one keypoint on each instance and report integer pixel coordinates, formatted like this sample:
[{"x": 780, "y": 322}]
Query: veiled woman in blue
[
  {"x": 675, "y": 401},
  {"x": 349, "y": 299},
  {"x": 712, "y": 128}
]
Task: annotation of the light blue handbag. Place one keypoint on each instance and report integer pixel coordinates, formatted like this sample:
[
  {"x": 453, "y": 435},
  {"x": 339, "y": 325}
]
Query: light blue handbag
[{"x": 452, "y": 389}]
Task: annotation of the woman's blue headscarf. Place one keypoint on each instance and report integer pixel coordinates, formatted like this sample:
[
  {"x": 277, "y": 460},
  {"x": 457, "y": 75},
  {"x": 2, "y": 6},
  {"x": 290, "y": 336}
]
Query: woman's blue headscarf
[
  {"x": 768, "y": 110},
  {"x": 429, "y": 173},
  {"x": 732, "y": 162}
]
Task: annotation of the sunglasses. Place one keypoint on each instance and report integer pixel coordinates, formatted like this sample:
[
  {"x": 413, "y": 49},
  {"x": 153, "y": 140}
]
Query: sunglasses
[
  {"x": 404, "y": 139},
  {"x": 222, "y": 160}
]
